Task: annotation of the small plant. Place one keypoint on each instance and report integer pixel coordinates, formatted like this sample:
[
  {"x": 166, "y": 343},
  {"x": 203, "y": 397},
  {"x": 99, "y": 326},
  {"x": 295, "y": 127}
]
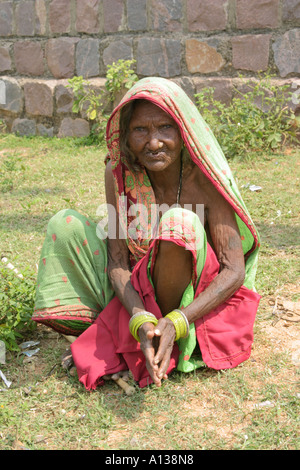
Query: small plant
[
  {"x": 17, "y": 302},
  {"x": 94, "y": 103},
  {"x": 87, "y": 100},
  {"x": 9, "y": 167},
  {"x": 3, "y": 126},
  {"x": 120, "y": 75},
  {"x": 256, "y": 120}
]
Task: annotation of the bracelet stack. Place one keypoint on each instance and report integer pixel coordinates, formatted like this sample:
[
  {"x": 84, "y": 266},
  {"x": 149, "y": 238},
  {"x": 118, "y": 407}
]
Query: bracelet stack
[
  {"x": 177, "y": 317},
  {"x": 138, "y": 319},
  {"x": 180, "y": 322}
]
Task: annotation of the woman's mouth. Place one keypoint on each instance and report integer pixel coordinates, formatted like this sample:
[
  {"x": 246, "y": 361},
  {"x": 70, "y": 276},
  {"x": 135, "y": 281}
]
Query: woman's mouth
[{"x": 155, "y": 155}]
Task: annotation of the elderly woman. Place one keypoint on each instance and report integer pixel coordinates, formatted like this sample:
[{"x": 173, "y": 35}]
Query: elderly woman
[{"x": 173, "y": 284}]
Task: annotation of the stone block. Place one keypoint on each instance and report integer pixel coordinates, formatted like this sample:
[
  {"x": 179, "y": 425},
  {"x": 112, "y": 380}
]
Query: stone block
[
  {"x": 64, "y": 99},
  {"x": 251, "y": 52},
  {"x": 113, "y": 12},
  {"x": 5, "y": 60},
  {"x": 202, "y": 58},
  {"x": 60, "y": 55},
  {"x": 41, "y": 16},
  {"x": 257, "y": 14},
  {"x": 158, "y": 56},
  {"x": 87, "y": 58},
  {"x": 166, "y": 15},
  {"x": 223, "y": 87},
  {"x": 29, "y": 58},
  {"x": 291, "y": 11},
  {"x": 74, "y": 128},
  {"x": 187, "y": 84},
  {"x": 137, "y": 15},
  {"x": 13, "y": 103},
  {"x": 87, "y": 20},
  {"x": 45, "y": 131},
  {"x": 25, "y": 18},
  {"x": 294, "y": 101},
  {"x": 24, "y": 127},
  {"x": 38, "y": 99},
  {"x": 6, "y": 19},
  {"x": 287, "y": 52},
  {"x": 119, "y": 49},
  {"x": 207, "y": 15},
  {"x": 60, "y": 16}
]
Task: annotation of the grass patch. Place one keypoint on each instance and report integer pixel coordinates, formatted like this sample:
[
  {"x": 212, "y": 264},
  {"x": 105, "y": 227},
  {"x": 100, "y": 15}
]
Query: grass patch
[
  {"x": 254, "y": 406},
  {"x": 275, "y": 212},
  {"x": 48, "y": 175}
]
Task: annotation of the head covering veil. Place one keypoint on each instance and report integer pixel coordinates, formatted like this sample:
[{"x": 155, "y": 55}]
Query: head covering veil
[{"x": 204, "y": 150}]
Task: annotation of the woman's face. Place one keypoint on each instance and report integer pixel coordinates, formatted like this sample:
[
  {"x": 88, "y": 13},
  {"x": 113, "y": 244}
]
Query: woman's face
[{"x": 153, "y": 137}]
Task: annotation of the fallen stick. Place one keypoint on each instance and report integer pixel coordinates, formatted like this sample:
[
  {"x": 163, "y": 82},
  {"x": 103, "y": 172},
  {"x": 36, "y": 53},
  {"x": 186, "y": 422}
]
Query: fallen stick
[
  {"x": 70, "y": 338},
  {"x": 125, "y": 386}
]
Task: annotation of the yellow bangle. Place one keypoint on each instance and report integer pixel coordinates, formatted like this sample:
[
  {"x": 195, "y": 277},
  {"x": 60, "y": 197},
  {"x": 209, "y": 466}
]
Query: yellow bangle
[
  {"x": 138, "y": 319},
  {"x": 180, "y": 322}
]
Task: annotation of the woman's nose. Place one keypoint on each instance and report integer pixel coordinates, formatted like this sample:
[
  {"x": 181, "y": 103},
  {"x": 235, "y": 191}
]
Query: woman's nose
[{"x": 154, "y": 142}]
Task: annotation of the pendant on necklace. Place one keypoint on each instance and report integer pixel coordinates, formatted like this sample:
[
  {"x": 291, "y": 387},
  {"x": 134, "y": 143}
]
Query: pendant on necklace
[{"x": 180, "y": 183}]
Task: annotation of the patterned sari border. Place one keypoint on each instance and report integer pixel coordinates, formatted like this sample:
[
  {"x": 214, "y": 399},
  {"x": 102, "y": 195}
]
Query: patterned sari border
[{"x": 66, "y": 312}]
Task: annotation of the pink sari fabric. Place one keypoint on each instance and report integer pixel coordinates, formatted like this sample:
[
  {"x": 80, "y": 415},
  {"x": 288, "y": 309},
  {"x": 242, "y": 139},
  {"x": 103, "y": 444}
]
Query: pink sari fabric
[{"x": 225, "y": 335}]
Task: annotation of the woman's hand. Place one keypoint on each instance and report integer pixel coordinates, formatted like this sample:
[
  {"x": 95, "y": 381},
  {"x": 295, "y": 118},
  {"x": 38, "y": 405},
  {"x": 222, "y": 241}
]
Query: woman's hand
[
  {"x": 157, "y": 343},
  {"x": 165, "y": 333},
  {"x": 149, "y": 345}
]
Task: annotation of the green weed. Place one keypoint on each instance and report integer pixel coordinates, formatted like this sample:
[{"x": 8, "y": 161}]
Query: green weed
[
  {"x": 120, "y": 75},
  {"x": 10, "y": 167},
  {"x": 96, "y": 104},
  {"x": 16, "y": 300},
  {"x": 256, "y": 120}
]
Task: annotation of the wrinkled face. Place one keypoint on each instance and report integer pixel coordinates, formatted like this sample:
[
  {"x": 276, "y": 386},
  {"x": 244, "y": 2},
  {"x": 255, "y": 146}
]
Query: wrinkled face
[{"x": 153, "y": 137}]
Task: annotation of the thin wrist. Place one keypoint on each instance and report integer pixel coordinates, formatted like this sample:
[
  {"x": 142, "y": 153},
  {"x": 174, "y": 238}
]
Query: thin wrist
[
  {"x": 180, "y": 322},
  {"x": 138, "y": 319},
  {"x": 136, "y": 310}
]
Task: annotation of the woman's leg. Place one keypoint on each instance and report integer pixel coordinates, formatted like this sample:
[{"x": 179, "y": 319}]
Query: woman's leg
[
  {"x": 72, "y": 284},
  {"x": 175, "y": 268},
  {"x": 171, "y": 275},
  {"x": 178, "y": 256}
]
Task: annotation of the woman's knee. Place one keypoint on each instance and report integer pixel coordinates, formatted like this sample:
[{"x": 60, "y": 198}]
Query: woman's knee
[
  {"x": 169, "y": 248},
  {"x": 172, "y": 255},
  {"x": 185, "y": 225},
  {"x": 66, "y": 224}
]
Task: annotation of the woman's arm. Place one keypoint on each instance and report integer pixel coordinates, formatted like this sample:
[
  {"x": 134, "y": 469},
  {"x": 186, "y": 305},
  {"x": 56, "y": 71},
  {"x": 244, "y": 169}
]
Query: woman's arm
[
  {"x": 118, "y": 256},
  {"x": 228, "y": 248},
  {"x": 119, "y": 274}
]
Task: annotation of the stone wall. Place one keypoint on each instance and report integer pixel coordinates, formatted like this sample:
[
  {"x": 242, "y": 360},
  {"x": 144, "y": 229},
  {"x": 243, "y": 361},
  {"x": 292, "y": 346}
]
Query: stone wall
[{"x": 195, "y": 42}]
